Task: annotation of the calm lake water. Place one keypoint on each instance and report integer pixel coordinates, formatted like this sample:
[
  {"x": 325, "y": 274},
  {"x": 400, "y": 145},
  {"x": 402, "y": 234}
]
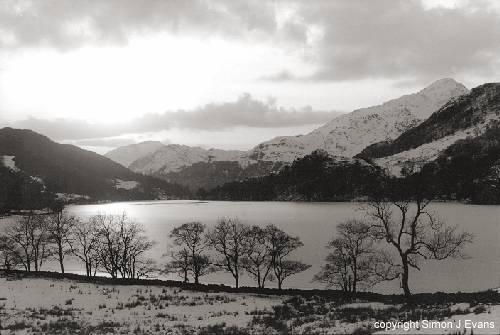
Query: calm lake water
[{"x": 315, "y": 224}]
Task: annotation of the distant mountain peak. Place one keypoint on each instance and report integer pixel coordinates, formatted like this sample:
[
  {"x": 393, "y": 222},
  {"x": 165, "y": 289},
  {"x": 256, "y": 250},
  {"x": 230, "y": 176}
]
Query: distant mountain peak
[
  {"x": 443, "y": 87},
  {"x": 350, "y": 133},
  {"x": 127, "y": 154}
]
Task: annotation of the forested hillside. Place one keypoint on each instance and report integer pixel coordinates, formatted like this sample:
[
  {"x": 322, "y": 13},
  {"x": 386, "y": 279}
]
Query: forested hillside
[
  {"x": 67, "y": 169},
  {"x": 315, "y": 177},
  {"x": 469, "y": 169}
]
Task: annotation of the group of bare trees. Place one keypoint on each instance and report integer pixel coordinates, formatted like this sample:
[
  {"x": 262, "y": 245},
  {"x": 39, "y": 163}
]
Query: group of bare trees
[
  {"x": 114, "y": 244},
  {"x": 234, "y": 247},
  {"x": 398, "y": 232}
]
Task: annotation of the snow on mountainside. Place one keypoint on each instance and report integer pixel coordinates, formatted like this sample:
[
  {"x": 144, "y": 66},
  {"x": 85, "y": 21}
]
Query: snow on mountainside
[
  {"x": 346, "y": 135},
  {"x": 173, "y": 157},
  {"x": 128, "y": 154},
  {"x": 9, "y": 162},
  {"x": 418, "y": 157},
  {"x": 469, "y": 116},
  {"x": 349, "y": 134}
]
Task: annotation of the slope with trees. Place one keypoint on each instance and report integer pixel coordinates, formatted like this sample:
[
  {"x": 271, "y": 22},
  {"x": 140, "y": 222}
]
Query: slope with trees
[{"x": 64, "y": 168}]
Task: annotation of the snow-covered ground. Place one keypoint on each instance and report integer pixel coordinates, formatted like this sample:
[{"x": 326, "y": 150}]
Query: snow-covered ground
[
  {"x": 487, "y": 322},
  {"x": 38, "y": 305},
  {"x": 42, "y": 303}
]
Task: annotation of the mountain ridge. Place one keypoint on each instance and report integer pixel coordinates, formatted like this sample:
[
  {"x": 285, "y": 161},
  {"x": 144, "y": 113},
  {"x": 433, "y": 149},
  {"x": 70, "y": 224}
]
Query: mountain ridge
[{"x": 345, "y": 135}]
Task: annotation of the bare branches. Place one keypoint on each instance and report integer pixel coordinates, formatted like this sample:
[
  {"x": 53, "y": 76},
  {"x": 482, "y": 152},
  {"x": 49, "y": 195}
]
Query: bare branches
[
  {"x": 28, "y": 241},
  {"x": 281, "y": 245},
  {"x": 121, "y": 244},
  {"x": 420, "y": 233},
  {"x": 230, "y": 239},
  {"x": 353, "y": 260},
  {"x": 191, "y": 258},
  {"x": 258, "y": 261},
  {"x": 86, "y": 243}
]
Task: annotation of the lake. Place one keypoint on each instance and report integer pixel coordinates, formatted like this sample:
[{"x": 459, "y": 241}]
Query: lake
[{"x": 315, "y": 224}]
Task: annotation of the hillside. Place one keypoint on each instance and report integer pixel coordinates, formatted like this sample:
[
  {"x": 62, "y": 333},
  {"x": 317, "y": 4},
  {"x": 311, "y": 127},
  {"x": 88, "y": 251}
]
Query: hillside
[
  {"x": 315, "y": 177},
  {"x": 69, "y": 171},
  {"x": 467, "y": 116},
  {"x": 207, "y": 175},
  {"x": 469, "y": 170}
]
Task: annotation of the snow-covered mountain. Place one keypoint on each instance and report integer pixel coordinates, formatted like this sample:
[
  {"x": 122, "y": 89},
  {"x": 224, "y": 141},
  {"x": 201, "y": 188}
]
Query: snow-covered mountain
[
  {"x": 126, "y": 155},
  {"x": 348, "y": 134},
  {"x": 468, "y": 116},
  {"x": 173, "y": 157}
]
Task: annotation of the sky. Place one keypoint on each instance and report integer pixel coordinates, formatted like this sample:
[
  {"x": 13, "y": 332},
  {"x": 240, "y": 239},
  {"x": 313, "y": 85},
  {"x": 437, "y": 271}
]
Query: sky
[{"x": 227, "y": 73}]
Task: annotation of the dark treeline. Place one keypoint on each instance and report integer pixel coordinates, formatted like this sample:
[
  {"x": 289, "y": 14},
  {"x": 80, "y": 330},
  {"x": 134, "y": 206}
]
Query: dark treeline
[
  {"x": 468, "y": 171},
  {"x": 315, "y": 177}
]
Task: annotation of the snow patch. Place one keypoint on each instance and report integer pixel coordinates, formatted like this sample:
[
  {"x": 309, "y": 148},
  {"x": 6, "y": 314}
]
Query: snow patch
[
  {"x": 126, "y": 184},
  {"x": 9, "y": 162},
  {"x": 71, "y": 196},
  {"x": 174, "y": 157}
]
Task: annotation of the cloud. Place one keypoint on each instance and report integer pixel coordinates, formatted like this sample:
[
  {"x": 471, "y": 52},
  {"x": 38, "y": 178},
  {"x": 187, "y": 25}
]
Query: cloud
[
  {"x": 244, "y": 112},
  {"x": 342, "y": 39},
  {"x": 392, "y": 39},
  {"x": 68, "y": 24}
]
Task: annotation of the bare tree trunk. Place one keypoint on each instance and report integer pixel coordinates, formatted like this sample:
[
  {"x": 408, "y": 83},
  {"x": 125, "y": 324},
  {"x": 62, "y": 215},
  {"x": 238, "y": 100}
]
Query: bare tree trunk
[
  {"x": 61, "y": 256},
  {"x": 405, "y": 276}
]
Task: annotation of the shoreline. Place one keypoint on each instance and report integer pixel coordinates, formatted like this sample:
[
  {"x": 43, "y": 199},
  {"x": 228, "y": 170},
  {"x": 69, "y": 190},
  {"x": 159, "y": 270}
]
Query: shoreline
[{"x": 491, "y": 295}]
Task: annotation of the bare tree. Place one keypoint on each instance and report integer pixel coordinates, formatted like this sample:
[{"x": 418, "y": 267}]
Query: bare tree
[
  {"x": 9, "y": 253},
  {"x": 282, "y": 245},
  {"x": 230, "y": 239},
  {"x": 29, "y": 238},
  {"x": 347, "y": 263},
  {"x": 401, "y": 217},
  {"x": 353, "y": 259},
  {"x": 85, "y": 244},
  {"x": 190, "y": 236},
  {"x": 258, "y": 261},
  {"x": 336, "y": 272},
  {"x": 60, "y": 231},
  {"x": 180, "y": 263},
  {"x": 285, "y": 268},
  {"x": 122, "y": 243}
]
